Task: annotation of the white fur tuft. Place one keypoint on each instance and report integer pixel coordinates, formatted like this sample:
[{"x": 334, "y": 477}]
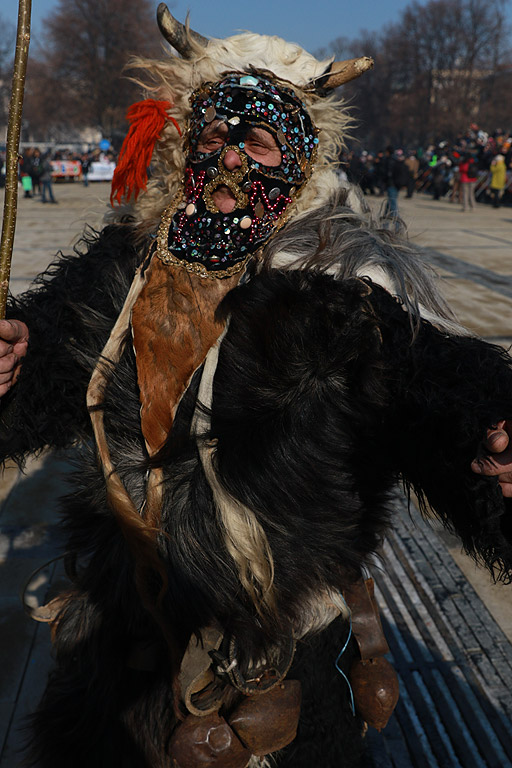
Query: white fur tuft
[{"x": 174, "y": 79}]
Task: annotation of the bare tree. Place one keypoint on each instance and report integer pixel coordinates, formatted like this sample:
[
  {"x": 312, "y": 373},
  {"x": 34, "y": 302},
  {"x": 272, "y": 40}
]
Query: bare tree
[
  {"x": 366, "y": 97},
  {"x": 77, "y": 79},
  {"x": 433, "y": 72}
]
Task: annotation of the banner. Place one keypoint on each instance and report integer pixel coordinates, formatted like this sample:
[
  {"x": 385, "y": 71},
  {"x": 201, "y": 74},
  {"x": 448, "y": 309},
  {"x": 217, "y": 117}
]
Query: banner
[{"x": 66, "y": 169}]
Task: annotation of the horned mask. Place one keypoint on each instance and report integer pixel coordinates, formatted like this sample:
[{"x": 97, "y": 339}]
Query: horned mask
[{"x": 196, "y": 63}]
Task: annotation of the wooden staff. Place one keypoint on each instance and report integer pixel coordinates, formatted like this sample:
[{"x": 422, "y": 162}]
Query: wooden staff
[{"x": 13, "y": 142}]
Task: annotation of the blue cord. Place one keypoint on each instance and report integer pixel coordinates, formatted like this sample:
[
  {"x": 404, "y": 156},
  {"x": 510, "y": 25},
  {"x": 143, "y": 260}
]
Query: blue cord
[{"x": 336, "y": 663}]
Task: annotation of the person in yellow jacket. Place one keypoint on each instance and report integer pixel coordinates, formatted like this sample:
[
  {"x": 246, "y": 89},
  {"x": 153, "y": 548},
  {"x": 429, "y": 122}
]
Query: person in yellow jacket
[{"x": 499, "y": 179}]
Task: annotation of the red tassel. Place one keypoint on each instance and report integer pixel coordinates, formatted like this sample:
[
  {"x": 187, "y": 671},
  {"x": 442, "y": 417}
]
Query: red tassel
[{"x": 147, "y": 120}]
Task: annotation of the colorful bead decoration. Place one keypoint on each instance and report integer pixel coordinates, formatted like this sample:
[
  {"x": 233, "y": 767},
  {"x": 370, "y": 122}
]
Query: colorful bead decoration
[{"x": 201, "y": 237}]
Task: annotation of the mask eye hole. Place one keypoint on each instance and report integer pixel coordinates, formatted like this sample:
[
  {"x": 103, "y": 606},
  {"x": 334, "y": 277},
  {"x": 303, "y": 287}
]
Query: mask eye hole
[
  {"x": 262, "y": 147},
  {"x": 212, "y": 138}
]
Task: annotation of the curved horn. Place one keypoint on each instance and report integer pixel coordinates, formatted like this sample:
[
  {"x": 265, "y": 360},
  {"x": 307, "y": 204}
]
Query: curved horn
[
  {"x": 342, "y": 72},
  {"x": 175, "y": 33}
]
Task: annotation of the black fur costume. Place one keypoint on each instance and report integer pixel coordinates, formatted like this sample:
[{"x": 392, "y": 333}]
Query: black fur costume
[{"x": 324, "y": 394}]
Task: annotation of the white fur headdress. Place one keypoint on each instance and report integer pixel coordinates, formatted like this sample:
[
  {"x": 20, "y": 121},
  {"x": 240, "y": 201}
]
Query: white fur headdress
[{"x": 174, "y": 78}]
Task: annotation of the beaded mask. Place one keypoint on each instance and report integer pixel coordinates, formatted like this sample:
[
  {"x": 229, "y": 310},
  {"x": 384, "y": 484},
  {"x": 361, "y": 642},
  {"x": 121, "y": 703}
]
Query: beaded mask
[{"x": 194, "y": 232}]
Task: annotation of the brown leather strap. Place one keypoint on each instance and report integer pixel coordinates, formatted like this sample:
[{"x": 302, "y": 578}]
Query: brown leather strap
[
  {"x": 373, "y": 679},
  {"x": 366, "y": 624},
  {"x": 376, "y": 691},
  {"x": 256, "y": 680},
  {"x": 200, "y": 690}
]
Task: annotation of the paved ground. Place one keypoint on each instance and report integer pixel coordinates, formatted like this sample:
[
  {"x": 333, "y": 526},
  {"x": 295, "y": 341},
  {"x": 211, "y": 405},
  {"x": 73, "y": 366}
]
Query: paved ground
[
  {"x": 472, "y": 251},
  {"x": 454, "y": 663},
  {"x": 474, "y": 256},
  {"x": 42, "y": 230}
]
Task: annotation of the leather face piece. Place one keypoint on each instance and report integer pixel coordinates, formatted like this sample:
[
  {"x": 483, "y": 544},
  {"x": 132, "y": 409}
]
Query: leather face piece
[{"x": 173, "y": 327}]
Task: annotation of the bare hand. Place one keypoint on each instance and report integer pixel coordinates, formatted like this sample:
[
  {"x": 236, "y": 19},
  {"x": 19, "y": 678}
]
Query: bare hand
[
  {"x": 499, "y": 463},
  {"x": 13, "y": 348}
]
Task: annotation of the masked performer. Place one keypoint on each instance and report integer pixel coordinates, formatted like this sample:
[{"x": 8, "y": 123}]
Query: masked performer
[{"x": 248, "y": 364}]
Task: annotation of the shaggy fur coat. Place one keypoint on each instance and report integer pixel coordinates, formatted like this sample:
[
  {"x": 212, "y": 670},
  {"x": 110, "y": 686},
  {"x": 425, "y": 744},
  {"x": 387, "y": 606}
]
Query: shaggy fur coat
[{"x": 328, "y": 389}]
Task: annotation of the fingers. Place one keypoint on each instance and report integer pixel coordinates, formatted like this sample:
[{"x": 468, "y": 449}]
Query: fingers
[
  {"x": 8, "y": 363},
  {"x": 497, "y": 440},
  {"x": 498, "y": 463},
  {"x": 496, "y": 455},
  {"x": 13, "y": 331},
  {"x": 506, "y": 486},
  {"x": 495, "y": 463},
  {"x": 13, "y": 347},
  {"x": 499, "y": 467},
  {"x": 6, "y": 348},
  {"x": 9, "y": 370}
]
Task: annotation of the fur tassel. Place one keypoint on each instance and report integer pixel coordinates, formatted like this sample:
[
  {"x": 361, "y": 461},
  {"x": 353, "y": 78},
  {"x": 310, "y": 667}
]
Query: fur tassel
[
  {"x": 245, "y": 538},
  {"x": 147, "y": 120}
]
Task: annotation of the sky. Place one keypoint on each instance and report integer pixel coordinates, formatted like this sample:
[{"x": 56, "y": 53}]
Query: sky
[{"x": 311, "y": 23}]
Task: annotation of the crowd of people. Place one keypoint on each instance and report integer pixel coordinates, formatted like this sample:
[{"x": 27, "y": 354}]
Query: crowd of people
[
  {"x": 37, "y": 170},
  {"x": 477, "y": 166}
]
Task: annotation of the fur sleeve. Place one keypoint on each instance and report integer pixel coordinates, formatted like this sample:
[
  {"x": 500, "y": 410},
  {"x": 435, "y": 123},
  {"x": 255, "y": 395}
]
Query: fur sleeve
[
  {"x": 448, "y": 391},
  {"x": 69, "y": 311}
]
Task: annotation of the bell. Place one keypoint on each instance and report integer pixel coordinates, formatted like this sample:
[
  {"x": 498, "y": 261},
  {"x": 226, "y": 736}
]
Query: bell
[
  {"x": 212, "y": 172},
  {"x": 375, "y": 687},
  {"x": 268, "y": 722},
  {"x": 208, "y": 742}
]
